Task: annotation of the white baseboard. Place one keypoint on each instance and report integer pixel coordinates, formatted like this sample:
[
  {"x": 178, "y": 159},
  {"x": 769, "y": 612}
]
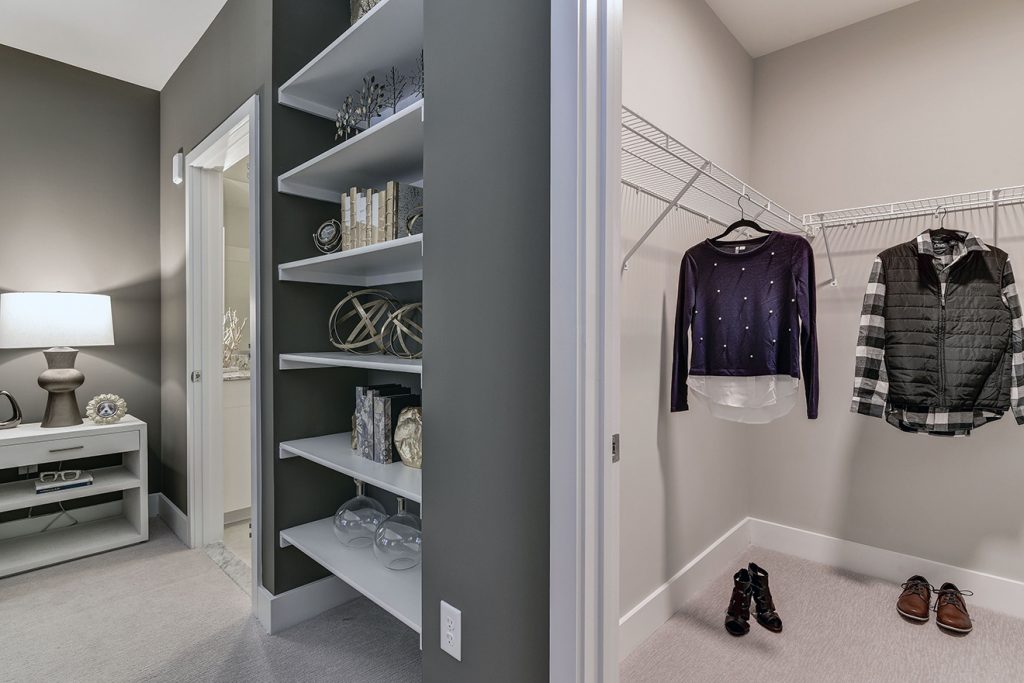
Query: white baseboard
[
  {"x": 279, "y": 612},
  {"x": 654, "y": 610},
  {"x": 991, "y": 592},
  {"x": 162, "y": 507}
]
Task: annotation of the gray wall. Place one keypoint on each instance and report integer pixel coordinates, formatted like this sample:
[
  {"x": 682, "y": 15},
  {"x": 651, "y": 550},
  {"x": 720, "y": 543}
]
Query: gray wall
[
  {"x": 485, "y": 383},
  {"x": 79, "y": 212},
  {"x": 229, "y": 64},
  {"x": 920, "y": 102},
  {"x": 669, "y": 515}
]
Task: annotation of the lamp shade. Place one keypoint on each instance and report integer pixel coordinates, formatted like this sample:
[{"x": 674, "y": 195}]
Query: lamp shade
[{"x": 32, "y": 320}]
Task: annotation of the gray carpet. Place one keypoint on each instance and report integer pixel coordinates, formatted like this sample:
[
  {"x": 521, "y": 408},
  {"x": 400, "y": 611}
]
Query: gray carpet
[
  {"x": 162, "y": 612},
  {"x": 837, "y": 627}
]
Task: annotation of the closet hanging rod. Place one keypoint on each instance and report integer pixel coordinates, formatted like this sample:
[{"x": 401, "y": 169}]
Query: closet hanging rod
[{"x": 955, "y": 203}]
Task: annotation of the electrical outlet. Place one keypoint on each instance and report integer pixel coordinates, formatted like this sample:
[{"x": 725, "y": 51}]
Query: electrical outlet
[
  {"x": 28, "y": 469},
  {"x": 451, "y": 630}
]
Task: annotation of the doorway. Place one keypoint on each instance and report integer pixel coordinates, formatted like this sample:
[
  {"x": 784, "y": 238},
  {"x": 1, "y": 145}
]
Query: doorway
[{"x": 222, "y": 219}]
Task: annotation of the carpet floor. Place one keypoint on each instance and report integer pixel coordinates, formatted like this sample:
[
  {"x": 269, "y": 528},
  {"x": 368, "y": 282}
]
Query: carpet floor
[
  {"x": 162, "y": 612},
  {"x": 837, "y": 627}
]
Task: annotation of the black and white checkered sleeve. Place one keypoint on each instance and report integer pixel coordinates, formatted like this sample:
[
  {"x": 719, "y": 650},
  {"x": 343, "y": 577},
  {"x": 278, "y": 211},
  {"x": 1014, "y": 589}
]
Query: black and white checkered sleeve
[
  {"x": 871, "y": 384},
  {"x": 1016, "y": 344}
]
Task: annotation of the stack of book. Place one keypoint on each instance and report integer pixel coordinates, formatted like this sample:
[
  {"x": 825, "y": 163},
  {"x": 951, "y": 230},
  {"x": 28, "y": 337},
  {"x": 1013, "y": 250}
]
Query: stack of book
[
  {"x": 373, "y": 216},
  {"x": 377, "y": 410}
]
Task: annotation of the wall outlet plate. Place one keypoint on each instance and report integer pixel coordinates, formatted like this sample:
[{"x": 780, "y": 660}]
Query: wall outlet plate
[
  {"x": 451, "y": 630},
  {"x": 28, "y": 469}
]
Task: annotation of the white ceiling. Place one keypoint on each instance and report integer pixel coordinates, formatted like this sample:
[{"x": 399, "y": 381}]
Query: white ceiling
[
  {"x": 139, "y": 41},
  {"x": 764, "y": 26}
]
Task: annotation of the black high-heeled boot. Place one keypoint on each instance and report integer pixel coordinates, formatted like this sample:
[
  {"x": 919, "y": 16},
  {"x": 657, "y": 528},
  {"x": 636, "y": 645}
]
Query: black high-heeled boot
[
  {"x": 764, "y": 605},
  {"x": 737, "y": 617}
]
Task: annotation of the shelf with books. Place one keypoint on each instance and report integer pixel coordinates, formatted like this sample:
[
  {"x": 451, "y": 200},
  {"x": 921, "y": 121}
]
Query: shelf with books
[
  {"x": 19, "y": 495},
  {"x": 342, "y": 359},
  {"x": 398, "y": 592},
  {"x": 390, "y": 34},
  {"x": 390, "y": 150},
  {"x": 391, "y": 262},
  {"x": 335, "y": 452}
]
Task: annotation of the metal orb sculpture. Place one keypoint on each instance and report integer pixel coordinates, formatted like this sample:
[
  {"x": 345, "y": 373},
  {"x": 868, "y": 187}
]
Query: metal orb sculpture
[
  {"x": 409, "y": 437},
  {"x": 328, "y": 237},
  {"x": 403, "y": 332},
  {"x": 357, "y": 323}
]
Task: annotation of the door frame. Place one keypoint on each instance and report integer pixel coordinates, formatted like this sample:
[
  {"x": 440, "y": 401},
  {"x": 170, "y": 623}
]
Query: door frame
[
  {"x": 586, "y": 100},
  {"x": 204, "y": 292}
]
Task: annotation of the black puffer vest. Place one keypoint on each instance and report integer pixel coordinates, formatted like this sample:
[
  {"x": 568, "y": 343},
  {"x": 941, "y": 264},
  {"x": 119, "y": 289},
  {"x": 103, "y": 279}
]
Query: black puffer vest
[{"x": 949, "y": 352}]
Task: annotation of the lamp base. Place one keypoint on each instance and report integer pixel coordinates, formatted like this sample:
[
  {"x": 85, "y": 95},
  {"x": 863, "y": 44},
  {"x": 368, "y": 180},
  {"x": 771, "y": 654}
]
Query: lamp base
[{"x": 61, "y": 379}]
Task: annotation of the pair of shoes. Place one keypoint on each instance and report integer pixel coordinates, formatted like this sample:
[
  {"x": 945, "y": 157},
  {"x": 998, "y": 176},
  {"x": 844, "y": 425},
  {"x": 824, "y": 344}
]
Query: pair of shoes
[
  {"x": 915, "y": 602},
  {"x": 751, "y": 581}
]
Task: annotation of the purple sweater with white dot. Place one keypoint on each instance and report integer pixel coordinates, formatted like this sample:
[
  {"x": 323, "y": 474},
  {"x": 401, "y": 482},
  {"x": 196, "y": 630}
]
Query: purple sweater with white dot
[{"x": 748, "y": 309}]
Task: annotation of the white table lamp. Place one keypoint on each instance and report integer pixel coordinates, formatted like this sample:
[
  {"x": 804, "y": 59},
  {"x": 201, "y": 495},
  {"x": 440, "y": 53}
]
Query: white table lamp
[{"x": 61, "y": 321}]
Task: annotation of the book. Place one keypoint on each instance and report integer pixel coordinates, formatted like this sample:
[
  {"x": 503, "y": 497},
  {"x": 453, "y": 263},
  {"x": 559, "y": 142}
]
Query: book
[
  {"x": 385, "y": 418},
  {"x": 85, "y": 479},
  {"x": 346, "y": 222},
  {"x": 364, "y": 414},
  {"x": 403, "y": 202},
  {"x": 389, "y": 211}
]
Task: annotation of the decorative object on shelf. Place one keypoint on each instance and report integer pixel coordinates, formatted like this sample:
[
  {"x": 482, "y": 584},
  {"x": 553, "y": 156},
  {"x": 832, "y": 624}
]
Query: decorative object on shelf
[
  {"x": 357, "y": 520},
  {"x": 106, "y": 409},
  {"x": 398, "y": 543},
  {"x": 386, "y": 410},
  {"x": 364, "y": 414},
  {"x": 233, "y": 327},
  {"x": 409, "y": 437},
  {"x": 361, "y": 7},
  {"x": 419, "y": 77},
  {"x": 357, "y": 322},
  {"x": 403, "y": 332},
  {"x": 32, "y": 320},
  {"x": 328, "y": 237},
  {"x": 16, "y": 416},
  {"x": 371, "y": 100},
  {"x": 414, "y": 224},
  {"x": 354, "y": 434},
  {"x": 395, "y": 83},
  {"x": 62, "y": 480},
  {"x": 347, "y": 120},
  {"x": 403, "y": 210}
]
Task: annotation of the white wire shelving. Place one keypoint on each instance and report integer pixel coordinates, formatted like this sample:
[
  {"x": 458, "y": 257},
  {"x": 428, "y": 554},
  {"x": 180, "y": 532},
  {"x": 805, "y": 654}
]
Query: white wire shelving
[{"x": 656, "y": 164}]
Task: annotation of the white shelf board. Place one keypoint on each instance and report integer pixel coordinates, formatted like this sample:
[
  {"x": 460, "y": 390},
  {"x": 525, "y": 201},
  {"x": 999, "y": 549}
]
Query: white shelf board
[
  {"x": 399, "y": 260},
  {"x": 391, "y": 34},
  {"x": 22, "y": 494},
  {"x": 390, "y": 150},
  {"x": 398, "y": 592},
  {"x": 23, "y": 553},
  {"x": 334, "y": 451},
  {"x": 342, "y": 359}
]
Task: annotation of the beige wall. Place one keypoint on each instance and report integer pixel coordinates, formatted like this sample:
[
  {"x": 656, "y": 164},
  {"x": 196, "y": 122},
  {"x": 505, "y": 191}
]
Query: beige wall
[
  {"x": 682, "y": 476},
  {"x": 920, "y": 102}
]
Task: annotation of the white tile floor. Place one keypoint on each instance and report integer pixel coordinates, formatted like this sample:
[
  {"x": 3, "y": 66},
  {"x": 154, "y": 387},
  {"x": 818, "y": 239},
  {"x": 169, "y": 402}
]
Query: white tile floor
[{"x": 237, "y": 540}]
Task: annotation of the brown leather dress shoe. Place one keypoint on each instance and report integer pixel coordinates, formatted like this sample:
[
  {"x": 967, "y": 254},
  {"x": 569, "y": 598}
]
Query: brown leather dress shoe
[
  {"x": 951, "y": 610},
  {"x": 916, "y": 599}
]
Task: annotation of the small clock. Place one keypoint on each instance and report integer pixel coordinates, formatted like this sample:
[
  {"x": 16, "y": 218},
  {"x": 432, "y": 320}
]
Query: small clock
[
  {"x": 106, "y": 409},
  {"x": 328, "y": 237}
]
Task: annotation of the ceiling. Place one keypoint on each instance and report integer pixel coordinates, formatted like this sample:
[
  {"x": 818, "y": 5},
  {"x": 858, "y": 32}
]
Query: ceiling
[
  {"x": 764, "y": 26},
  {"x": 139, "y": 41}
]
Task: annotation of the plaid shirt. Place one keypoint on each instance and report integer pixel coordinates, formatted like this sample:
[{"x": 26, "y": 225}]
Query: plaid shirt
[{"x": 871, "y": 385}]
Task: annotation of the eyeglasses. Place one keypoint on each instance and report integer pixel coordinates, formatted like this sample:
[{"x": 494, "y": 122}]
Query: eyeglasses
[{"x": 63, "y": 475}]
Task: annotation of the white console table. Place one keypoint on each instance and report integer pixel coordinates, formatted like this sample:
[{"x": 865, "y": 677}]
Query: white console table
[{"x": 105, "y": 526}]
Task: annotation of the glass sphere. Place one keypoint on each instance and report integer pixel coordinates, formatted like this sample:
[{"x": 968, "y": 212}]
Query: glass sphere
[
  {"x": 398, "y": 542},
  {"x": 356, "y": 521}
]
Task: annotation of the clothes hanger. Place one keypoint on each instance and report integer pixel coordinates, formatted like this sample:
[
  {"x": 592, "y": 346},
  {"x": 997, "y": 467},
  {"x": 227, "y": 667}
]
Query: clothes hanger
[
  {"x": 943, "y": 231},
  {"x": 743, "y": 222}
]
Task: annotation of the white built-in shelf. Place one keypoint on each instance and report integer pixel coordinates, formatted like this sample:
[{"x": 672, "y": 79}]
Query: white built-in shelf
[
  {"x": 23, "y": 553},
  {"x": 391, "y": 34},
  {"x": 390, "y": 150},
  {"x": 22, "y": 494},
  {"x": 342, "y": 359},
  {"x": 399, "y": 260},
  {"x": 398, "y": 592},
  {"x": 334, "y": 451}
]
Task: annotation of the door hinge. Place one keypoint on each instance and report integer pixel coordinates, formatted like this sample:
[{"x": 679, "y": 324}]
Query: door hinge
[
  {"x": 615, "y": 447},
  {"x": 196, "y": 375}
]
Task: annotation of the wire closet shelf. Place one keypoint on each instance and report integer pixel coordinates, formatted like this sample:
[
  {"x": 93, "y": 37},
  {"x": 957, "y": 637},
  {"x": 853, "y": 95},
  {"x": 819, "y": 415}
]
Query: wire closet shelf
[{"x": 656, "y": 164}]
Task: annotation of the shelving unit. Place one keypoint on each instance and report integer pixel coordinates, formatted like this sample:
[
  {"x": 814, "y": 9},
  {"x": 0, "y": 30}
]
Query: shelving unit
[
  {"x": 23, "y": 553},
  {"x": 335, "y": 452},
  {"x": 399, "y": 260},
  {"x": 342, "y": 359},
  {"x": 391, "y": 34},
  {"x": 398, "y": 592},
  {"x": 390, "y": 150}
]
